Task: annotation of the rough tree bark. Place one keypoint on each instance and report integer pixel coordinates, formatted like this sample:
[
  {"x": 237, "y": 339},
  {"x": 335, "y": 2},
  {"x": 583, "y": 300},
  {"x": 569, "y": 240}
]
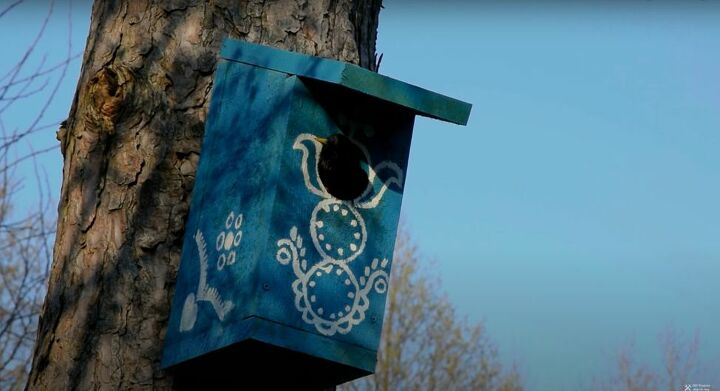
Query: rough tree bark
[{"x": 131, "y": 147}]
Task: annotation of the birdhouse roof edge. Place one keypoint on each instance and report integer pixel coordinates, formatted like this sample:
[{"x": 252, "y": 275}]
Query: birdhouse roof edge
[{"x": 422, "y": 101}]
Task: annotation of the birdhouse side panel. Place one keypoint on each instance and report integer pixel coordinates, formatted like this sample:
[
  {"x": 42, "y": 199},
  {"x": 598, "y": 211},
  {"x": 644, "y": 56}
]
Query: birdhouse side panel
[{"x": 233, "y": 199}]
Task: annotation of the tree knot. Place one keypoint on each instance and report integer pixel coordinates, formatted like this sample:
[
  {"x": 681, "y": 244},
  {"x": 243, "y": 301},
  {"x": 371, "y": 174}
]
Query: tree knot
[{"x": 108, "y": 91}]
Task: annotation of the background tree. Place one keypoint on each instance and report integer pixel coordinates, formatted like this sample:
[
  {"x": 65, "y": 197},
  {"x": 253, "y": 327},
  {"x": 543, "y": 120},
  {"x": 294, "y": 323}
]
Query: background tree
[
  {"x": 424, "y": 345},
  {"x": 680, "y": 367},
  {"x": 25, "y": 228},
  {"x": 130, "y": 148}
]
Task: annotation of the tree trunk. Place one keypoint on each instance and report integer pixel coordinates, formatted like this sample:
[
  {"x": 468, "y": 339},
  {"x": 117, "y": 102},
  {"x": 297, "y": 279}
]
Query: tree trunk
[{"x": 131, "y": 148}]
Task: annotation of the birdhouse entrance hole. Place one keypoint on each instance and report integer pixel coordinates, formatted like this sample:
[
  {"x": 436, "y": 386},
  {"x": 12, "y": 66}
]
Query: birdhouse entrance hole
[{"x": 367, "y": 127}]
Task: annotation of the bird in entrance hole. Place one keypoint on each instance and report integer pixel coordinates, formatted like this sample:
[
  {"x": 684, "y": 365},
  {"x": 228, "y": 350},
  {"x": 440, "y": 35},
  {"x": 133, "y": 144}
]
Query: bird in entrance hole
[{"x": 341, "y": 167}]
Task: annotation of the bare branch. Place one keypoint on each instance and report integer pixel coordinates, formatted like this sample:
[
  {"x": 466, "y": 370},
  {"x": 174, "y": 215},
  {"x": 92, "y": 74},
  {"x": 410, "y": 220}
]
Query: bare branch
[
  {"x": 25, "y": 251},
  {"x": 44, "y": 72},
  {"x": 15, "y": 71},
  {"x": 10, "y": 7}
]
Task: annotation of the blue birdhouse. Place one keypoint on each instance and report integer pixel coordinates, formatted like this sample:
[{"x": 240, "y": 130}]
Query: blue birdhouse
[{"x": 289, "y": 240}]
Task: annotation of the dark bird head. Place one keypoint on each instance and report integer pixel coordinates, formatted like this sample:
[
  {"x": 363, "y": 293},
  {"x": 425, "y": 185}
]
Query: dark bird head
[
  {"x": 338, "y": 146},
  {"x": 341, "y": 167}
]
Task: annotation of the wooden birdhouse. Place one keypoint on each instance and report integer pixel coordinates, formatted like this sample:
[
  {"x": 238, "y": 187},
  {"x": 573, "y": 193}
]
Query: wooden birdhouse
[{"x": 289, "y": 241}]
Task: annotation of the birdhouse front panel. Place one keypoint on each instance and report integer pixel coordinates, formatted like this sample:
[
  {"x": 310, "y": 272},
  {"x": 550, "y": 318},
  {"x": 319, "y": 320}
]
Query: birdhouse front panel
[
  {"x": 292, "y": 226},
  {"x": 332, "y": 254}
]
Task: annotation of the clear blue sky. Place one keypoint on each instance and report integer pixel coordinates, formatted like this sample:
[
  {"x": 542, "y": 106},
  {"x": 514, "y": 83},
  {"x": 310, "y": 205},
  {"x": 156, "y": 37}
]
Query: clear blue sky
[{"x": 579, "y": 210}]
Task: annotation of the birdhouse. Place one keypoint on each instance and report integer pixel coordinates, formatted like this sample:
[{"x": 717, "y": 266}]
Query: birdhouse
[{"x": 289, "y": 241}]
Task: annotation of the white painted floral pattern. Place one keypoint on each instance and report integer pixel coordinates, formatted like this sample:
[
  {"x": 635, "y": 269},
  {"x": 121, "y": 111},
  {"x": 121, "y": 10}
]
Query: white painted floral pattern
[
  {"x": 228, "y": 240},
  {"x": 226, "y": 244},
  {"x": 336, "y": 248}
]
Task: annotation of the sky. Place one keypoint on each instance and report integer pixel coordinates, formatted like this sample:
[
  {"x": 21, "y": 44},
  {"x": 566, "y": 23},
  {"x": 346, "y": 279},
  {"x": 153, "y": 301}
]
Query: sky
[{"x": 578, "y": 211}]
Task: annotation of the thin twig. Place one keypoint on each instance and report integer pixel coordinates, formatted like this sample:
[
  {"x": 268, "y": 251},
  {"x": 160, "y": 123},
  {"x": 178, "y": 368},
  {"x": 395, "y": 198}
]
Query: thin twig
[{"x": 9, "y": 7}]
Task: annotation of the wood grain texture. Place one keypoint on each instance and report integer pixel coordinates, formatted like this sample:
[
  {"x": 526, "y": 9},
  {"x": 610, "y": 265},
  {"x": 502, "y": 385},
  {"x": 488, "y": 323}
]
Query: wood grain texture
[{"x": 130, "y": 153}]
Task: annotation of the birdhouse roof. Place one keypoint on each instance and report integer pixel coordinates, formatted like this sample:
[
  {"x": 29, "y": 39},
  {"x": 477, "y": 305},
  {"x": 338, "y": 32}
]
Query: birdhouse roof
[{"x": 419, "y": 100}]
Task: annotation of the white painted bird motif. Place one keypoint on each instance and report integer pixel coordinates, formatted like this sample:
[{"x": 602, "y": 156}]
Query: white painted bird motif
[{"x": 331, "y": 169}]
